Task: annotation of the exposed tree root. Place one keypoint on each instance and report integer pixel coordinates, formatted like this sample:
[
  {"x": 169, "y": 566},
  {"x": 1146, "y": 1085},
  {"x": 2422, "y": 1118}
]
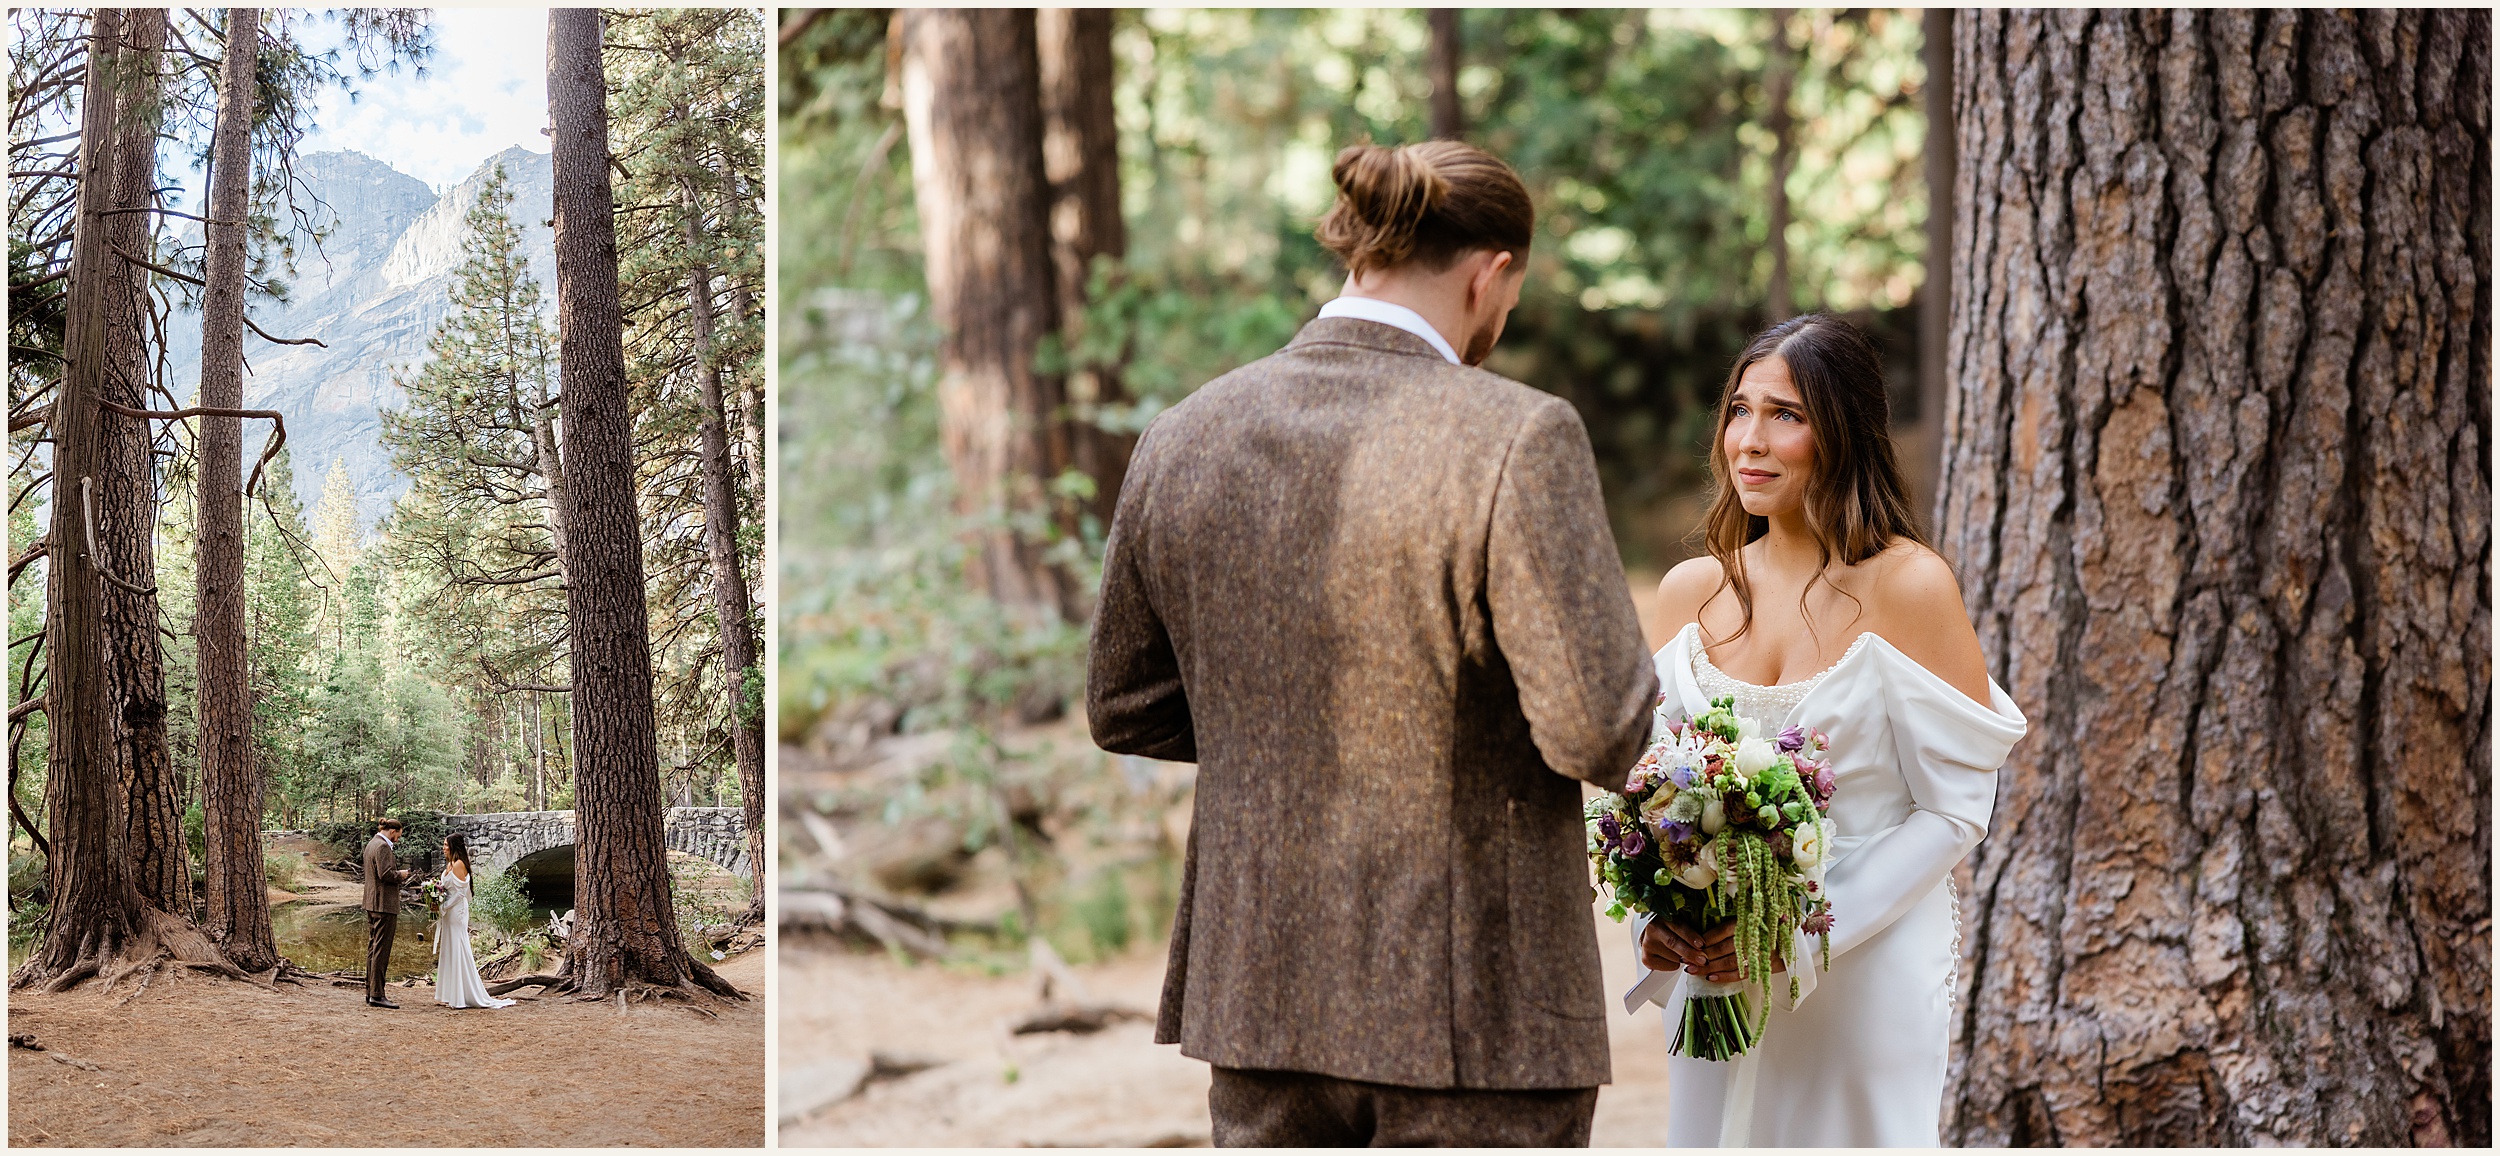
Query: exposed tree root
[
  {"x": 553, "y": 983},
  {"x": 158, "y": 939}
]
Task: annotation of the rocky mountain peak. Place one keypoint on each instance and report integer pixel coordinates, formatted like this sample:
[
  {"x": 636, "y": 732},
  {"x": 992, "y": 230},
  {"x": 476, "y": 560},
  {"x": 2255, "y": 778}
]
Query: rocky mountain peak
[{"x": 372, "y": 288}]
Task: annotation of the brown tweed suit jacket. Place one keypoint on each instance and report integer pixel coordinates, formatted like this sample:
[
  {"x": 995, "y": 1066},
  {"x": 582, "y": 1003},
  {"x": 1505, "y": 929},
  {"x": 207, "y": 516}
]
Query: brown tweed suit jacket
[
  {"x": 1374, "y": 596},
  {"x": 382, "y": 875}
]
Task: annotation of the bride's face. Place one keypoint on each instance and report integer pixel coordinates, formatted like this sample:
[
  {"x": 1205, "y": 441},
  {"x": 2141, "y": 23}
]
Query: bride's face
[{"x": 1769, "y": 447}]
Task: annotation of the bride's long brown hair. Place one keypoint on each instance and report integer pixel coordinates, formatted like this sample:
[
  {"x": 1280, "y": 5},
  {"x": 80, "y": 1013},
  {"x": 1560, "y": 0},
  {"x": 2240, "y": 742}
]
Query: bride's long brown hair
[{"x": 1855, "y": 502}]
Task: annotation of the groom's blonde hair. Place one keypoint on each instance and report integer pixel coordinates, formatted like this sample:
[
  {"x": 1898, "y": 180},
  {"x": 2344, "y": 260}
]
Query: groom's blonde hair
[{"x": 1425, "y": 202}]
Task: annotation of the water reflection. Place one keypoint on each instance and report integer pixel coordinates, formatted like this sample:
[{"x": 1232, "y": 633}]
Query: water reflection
[{"x": 326, "y": 937}]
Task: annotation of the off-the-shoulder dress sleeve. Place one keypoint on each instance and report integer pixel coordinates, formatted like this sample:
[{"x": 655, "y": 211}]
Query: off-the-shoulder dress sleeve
[{"x": 1949, "y": 748}]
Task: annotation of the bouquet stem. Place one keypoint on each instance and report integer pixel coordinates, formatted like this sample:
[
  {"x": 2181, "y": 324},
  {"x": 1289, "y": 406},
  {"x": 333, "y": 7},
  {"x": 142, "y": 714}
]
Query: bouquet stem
[{"x": 1716, "y": 1027}]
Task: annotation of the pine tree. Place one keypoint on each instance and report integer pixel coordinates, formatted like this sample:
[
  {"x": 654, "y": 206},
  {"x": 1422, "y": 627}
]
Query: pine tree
[
  {"x": 689, "y": 96},
  {"x": 477, "y": 437}
]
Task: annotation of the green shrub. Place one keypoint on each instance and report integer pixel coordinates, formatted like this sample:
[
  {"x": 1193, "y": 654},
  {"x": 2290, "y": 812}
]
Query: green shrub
[
  {"x": 27, "y": 880},
  {"x": 499, "y": 903},
  {"x": 1105, "y": 913},
  {"x": 420, "y": 846},
  {"x": 697, "y": 906},
  {"x": 284, "y": 869},
  {"x": 26, "y": 928}
]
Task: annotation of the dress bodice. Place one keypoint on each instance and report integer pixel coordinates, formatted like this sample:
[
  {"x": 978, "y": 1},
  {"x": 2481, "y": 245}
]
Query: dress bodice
[{"x": 1753, "y": 700}]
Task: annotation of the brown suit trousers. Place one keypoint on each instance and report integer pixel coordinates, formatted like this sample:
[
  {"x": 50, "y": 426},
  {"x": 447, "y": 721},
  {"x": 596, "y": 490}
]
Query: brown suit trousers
[
  {"x": 1299, "y": 1110},
  {"x": 380, "y": 928},
  {"x": 1374, "y": 596}
]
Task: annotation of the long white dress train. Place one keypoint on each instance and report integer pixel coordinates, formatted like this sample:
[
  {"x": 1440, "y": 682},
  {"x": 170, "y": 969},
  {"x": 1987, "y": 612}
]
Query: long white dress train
[
  {"x": 1860, "y": 1061},
  {"x": 456, "y": 980}
]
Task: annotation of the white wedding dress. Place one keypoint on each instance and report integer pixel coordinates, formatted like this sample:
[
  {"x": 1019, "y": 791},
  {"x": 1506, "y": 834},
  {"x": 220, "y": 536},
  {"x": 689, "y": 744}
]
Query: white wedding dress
[
  {"x": 456, "y": 980},
  {"x": 1860, "y": 1060}
]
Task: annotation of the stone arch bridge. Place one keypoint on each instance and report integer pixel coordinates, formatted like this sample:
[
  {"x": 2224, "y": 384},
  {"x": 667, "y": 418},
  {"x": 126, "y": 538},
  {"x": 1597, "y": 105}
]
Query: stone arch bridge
[{"x": 541, "y": 842}]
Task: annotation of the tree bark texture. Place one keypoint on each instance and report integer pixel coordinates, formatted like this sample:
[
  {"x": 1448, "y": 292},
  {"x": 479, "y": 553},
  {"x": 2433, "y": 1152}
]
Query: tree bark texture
[
  {"x": 151, "y": 832},
  {"x": 972, "y": 100},
  {"x": 1081, "y": 158},
  {"x": 1779, "y": 78},
  {"x": 237, "y": 889},
  {"x": 1449, "y": 121},
  {"x": 730, "y": 600},
  {"x": 2218, "y": 484},
  {"x": 626, "y": 931},
  {"x": 95, "y": 907}
]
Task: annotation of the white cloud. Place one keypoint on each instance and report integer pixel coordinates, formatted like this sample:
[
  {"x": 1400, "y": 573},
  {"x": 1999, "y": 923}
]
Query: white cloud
[{"x": 485, "y": 90}]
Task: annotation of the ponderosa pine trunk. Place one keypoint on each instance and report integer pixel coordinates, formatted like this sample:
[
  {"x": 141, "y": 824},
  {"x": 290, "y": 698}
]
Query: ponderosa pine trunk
[
  {"x": 96, "y": 911},
  {"x": 626, "y": 931},
  {"x": 972, "y": 101},
  {"x": 2218, "y": 484},
  {"x": 151, "y": 817},
  {"x": 1449, "y": 120},
  {"x": 730, "y": 601},
  {"x": 1081, "y": 158},
  {"x": 236, "y": 887}
]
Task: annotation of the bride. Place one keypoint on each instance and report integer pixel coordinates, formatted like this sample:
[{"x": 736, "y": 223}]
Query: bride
[
  {"x": 456, "y": 980},
  {"x": 1820, "y": 605}
]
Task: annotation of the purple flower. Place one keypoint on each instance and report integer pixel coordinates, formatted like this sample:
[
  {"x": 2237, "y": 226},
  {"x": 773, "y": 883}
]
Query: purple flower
[
  {"x": 1634, "y": 843},
  {"x": 1819, "y": 923},
  {"x": 1675, "y": 832},
  {"x": 1612, "y": 830},
  {"x": 1824, "y": 784},
  {"x": 1791, "y": 740},
  {"x": 1683, "y": 777}
]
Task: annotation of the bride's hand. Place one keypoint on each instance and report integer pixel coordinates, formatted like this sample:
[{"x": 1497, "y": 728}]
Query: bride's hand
[{"x": 1709, "y": 954}]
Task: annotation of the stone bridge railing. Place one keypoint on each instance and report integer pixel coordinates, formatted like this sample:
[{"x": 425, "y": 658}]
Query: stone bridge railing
[{"x": 498, "y": 841}]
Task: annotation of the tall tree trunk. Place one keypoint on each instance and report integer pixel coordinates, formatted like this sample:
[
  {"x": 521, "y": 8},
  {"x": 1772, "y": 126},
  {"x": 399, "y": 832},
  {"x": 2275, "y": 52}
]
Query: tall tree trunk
[
  {"x": 1081, "y": 158},
  {"x": 1935, "y": 294},
  {"x": 96, "y": 909},
  {"x": 1449, "y": 121},
  {"x": 626, "y": 930},
  {"x": 972, "y": 98},
  {"x": 151, "y": 831},
  {"x": 730, "y": 602},
  {"x": 2218, "y": 481},
  {"x": 237, "y": 889},
  {"x": 1779, "y": 77}
]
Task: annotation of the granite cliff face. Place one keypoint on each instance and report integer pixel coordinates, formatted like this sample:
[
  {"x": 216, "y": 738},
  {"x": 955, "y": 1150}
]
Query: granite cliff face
[{"x": 373, "y": 291}]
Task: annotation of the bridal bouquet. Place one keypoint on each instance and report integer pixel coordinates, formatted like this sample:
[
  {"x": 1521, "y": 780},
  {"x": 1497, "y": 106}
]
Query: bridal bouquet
[
  {"x": 432, "y": 890},
  {"x": 1722, "y": 823}
]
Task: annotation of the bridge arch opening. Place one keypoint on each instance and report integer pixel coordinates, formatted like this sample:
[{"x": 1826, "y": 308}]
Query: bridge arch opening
[{"x": 547, "y": 877}]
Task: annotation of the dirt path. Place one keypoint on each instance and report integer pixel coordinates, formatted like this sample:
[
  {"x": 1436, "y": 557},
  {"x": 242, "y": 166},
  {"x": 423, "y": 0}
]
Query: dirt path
[
  {"x": 840, "y": 1009},
  {"x": 197, "y": 1062}
]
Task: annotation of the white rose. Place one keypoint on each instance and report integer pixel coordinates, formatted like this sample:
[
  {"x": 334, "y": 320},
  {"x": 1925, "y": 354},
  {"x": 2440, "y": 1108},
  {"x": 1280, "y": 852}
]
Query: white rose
[
  {"x": 1755, "y": 755},
  {"x": 1713, "y": 817},
  {"x": 1703, "y": 871},
  {"x": 1747, "y": 729},
  {"x": 1807, "y": 849}
]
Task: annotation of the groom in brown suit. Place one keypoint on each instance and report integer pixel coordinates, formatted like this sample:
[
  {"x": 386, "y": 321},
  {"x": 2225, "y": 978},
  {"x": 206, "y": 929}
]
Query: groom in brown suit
[
  {"x": 383, "y": 875},
  {"x": 1371, "y": 591}
]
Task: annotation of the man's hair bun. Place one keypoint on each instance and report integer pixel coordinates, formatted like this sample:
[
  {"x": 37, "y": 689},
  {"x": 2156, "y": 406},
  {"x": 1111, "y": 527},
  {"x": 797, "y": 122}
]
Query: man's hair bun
[{"x": 1428, "y": 202}]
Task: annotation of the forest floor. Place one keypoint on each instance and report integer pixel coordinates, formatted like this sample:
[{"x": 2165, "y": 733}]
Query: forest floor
[
  {"x": 846, "y": 1013},
  {"x": 193, "y": 1062}
]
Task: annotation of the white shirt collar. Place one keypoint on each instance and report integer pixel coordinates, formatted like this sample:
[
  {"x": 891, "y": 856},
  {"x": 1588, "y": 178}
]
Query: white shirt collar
[{"x": 1388, "y": 313}]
